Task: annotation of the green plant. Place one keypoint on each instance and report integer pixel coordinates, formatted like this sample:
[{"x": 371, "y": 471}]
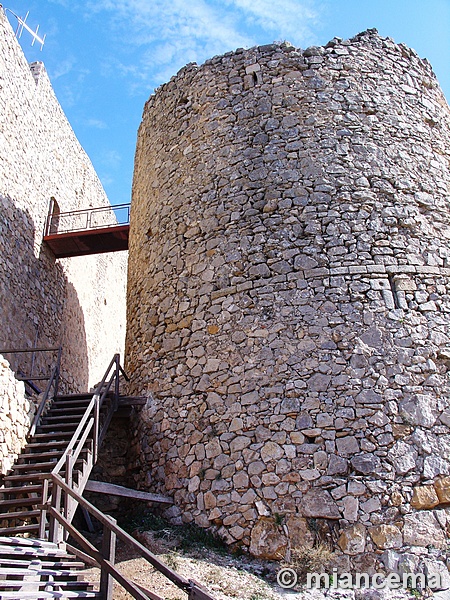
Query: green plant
[
  {"x": 143, "y": 520},
  {"x": 171, "y": 560},
  {"x": 279, "y": 519},
  {"x": 313, "y": 525},
  {"x": 259, "y": 595},
  {"x": 194, "y": 536},
  {"x": 189, "y": 534}
]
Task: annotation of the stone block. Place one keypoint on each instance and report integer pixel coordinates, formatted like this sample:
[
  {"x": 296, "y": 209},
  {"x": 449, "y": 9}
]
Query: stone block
[
  {"x": 299, "y": 534},
  {"x": 268, "y": 540},
  {"x": 423, "y": 529},
  {"x": 271, "y": 451},
  {"x": 424, "y": 496},
  {"x": 353, "y": 540},
  {"x": 442, "y": 489},
  {"x": 318, "y": 503},
  {"x": 386, "y": 536}
]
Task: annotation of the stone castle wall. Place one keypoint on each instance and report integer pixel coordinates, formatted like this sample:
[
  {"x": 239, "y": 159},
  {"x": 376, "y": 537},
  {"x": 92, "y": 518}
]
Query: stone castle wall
[
  {"x": 77, "y": 302},
  {"x": 16, "y": 413},
  {"x": 289, "y": 311}
]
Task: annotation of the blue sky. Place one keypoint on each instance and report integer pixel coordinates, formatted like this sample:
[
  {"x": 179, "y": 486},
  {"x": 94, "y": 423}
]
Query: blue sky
[{"x": 105, "y": 57}]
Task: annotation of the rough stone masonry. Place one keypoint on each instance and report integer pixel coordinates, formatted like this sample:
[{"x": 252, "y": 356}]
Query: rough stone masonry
[{"x": 288, "y": 308}]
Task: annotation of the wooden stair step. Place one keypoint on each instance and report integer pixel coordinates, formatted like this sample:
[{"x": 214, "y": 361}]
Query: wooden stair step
[
  {"x": 43, "y": 554},
  {"x": 70, "y": 409},
  {"x": 61, "y": 413},
  {"x": 17, "y": 490},
  {"x": 50, "y": 563},
  {"x": 59, "y": 589},
  {"x": 31, "y": 477},
  {"x": 23, "y": 489},
  {"x": 22, "y": 595},
  {"x": 64, "y": 414},
  {"x": 39, "y": 455},
  {"x": 52, "y": 436},
  {"x": 71, "y": 403},
  {"x": 44, "y": 571},
  {"x": 22, "y": 514},
  {"x": 57, "y": 420},
  {"x": 39, "y": 445},
  {"x": 19, "y": 542},
  {"x": 75, "y": 396},
  {"x": 16, "y": 502},
  {"x": 61, "y": 427},
  {"x": 33, "y": 528},
  {"x": 45, "y": 466}
]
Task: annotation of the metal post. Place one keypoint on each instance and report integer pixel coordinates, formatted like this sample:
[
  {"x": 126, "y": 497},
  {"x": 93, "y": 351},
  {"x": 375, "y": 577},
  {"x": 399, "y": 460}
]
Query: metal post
[
  {"x": 96, "y": 428},
  {"x": 53, "y": 533},
  {"x": 108, "y": 553},
  {"x": 116, "y": 382},
  {"x": 68, "y": 499},
  {"x": 43, "y": 515}
]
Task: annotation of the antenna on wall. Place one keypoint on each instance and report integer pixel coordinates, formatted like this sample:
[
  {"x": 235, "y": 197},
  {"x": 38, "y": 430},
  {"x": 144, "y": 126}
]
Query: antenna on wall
[{"x": 21, "y": 25}]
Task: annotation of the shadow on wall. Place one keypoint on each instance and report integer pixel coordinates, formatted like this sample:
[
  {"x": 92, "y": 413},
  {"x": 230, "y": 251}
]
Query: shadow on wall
[
  {"x": 38, "y": 305},
  {"x": 73, "y": 340}
]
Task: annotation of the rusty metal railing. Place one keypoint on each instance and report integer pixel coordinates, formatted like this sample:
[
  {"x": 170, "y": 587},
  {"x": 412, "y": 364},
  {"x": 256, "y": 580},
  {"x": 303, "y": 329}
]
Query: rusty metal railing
[
  {"x": 86, "y": 219},
  {"x": 52, "y": 378}
]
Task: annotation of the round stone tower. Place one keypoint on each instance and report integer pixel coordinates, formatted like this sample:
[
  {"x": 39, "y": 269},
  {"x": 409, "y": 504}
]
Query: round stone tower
[{"x": 288, "y": 308}]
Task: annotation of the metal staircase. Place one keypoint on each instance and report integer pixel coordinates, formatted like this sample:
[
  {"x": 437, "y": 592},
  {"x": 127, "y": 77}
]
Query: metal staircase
[
  {"x": 64, "y": 439},
  {"x": 24, "y": 484},
  {"x": 42, "y": 492},
  {"x": 31, "y": 569}
]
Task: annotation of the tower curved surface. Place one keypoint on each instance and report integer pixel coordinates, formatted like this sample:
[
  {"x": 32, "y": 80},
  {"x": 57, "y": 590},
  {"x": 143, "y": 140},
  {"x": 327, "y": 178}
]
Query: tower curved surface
[{"x": 288, "y": 304}]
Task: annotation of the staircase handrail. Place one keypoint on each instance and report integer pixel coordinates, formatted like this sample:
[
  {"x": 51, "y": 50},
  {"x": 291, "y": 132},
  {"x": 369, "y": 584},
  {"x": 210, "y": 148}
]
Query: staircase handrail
[
  {"x": 89, "y": 424},
  {"x": 53, "y": 380},
  {"x": 106, "y": 558}
]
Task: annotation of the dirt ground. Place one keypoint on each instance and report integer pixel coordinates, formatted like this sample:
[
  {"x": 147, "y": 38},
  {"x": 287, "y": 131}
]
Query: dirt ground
[{"x": 226, "y": 577}]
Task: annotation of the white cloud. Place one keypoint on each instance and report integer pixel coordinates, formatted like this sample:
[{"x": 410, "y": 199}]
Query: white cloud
[
  {"x": 111, "y": 159},
  {"x": 96, "y": 124},
  {"x": 167, "y": 35},
  {"x": 286, "y": 18},
  {"x": 63, "y": 67},
  {"x": 106, "y": 180}
]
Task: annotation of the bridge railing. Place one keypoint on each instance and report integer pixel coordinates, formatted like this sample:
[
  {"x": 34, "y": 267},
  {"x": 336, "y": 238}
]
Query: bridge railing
[{"x": 86, "y": 219}]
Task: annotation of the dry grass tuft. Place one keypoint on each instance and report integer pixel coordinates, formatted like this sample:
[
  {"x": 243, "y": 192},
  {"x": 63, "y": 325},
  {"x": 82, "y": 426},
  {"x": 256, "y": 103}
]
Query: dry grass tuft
[{"x": 306, "y": 560}]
